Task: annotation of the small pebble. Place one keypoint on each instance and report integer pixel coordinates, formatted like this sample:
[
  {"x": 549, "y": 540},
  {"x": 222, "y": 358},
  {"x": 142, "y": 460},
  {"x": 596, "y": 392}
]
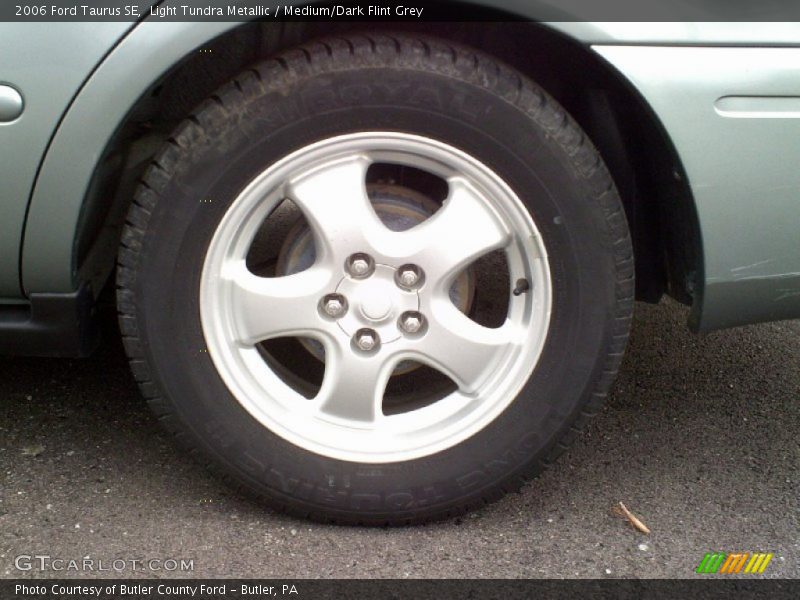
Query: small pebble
[{"x": 33, "y": 450}]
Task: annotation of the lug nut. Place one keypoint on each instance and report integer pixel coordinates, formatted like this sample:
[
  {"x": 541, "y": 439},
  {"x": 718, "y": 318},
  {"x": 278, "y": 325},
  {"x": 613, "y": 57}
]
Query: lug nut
[
  {"x": 412, "y": 322},
  {"x": 360, "y": 265},
  {"x": 334, "y": 305},
  {"x": 366, "y": 340},
  {"x": 409, "y": 276}
]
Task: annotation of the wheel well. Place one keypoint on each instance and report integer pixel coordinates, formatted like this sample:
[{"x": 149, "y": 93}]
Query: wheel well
[{"x": 637, "y": 151}]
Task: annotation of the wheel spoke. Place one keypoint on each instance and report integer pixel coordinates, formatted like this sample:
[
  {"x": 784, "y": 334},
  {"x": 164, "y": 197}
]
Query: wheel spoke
[
  {"x": 461, "y": 348},
  {"x": 462, "y": 231},
  {"x": 353, "y": 385},
  {"x": 266, "y": 308},
  {"x": 334, "y": 200}
]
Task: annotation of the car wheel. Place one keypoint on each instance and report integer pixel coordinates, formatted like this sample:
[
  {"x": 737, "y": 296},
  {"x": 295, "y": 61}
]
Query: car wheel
[{"x": 376, "y": 280}]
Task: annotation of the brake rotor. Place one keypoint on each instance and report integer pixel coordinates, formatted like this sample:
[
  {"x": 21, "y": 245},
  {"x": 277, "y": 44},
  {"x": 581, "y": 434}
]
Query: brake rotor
[{"x": 400, "y": 209}]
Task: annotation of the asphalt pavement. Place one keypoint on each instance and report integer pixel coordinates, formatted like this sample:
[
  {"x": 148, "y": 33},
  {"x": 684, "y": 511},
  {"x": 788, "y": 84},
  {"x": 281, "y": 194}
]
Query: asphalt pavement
[{"x": 700, "y": 439}]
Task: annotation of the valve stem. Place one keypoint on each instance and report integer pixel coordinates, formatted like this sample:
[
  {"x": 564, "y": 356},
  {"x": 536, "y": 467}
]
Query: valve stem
[{"x": 521, "y": 287}]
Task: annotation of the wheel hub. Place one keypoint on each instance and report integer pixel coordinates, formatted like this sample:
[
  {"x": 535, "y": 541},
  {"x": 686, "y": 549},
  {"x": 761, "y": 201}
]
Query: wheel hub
[
  {"x": 400, "y": 208},
  {"x": 377, "y": 303}
]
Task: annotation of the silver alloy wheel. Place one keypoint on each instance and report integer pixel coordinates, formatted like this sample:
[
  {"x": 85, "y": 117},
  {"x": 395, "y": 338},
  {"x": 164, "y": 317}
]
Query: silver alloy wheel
[{"x": 327, "y": 180}]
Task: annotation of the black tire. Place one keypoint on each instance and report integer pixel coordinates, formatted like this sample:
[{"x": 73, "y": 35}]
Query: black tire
[{"x": 337, "y": 86}]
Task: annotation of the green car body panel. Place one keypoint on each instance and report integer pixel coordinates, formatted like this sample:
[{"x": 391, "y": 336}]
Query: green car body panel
[
  {"x": 47, "y": 65},
  {"x": 726, "y": 94}
]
